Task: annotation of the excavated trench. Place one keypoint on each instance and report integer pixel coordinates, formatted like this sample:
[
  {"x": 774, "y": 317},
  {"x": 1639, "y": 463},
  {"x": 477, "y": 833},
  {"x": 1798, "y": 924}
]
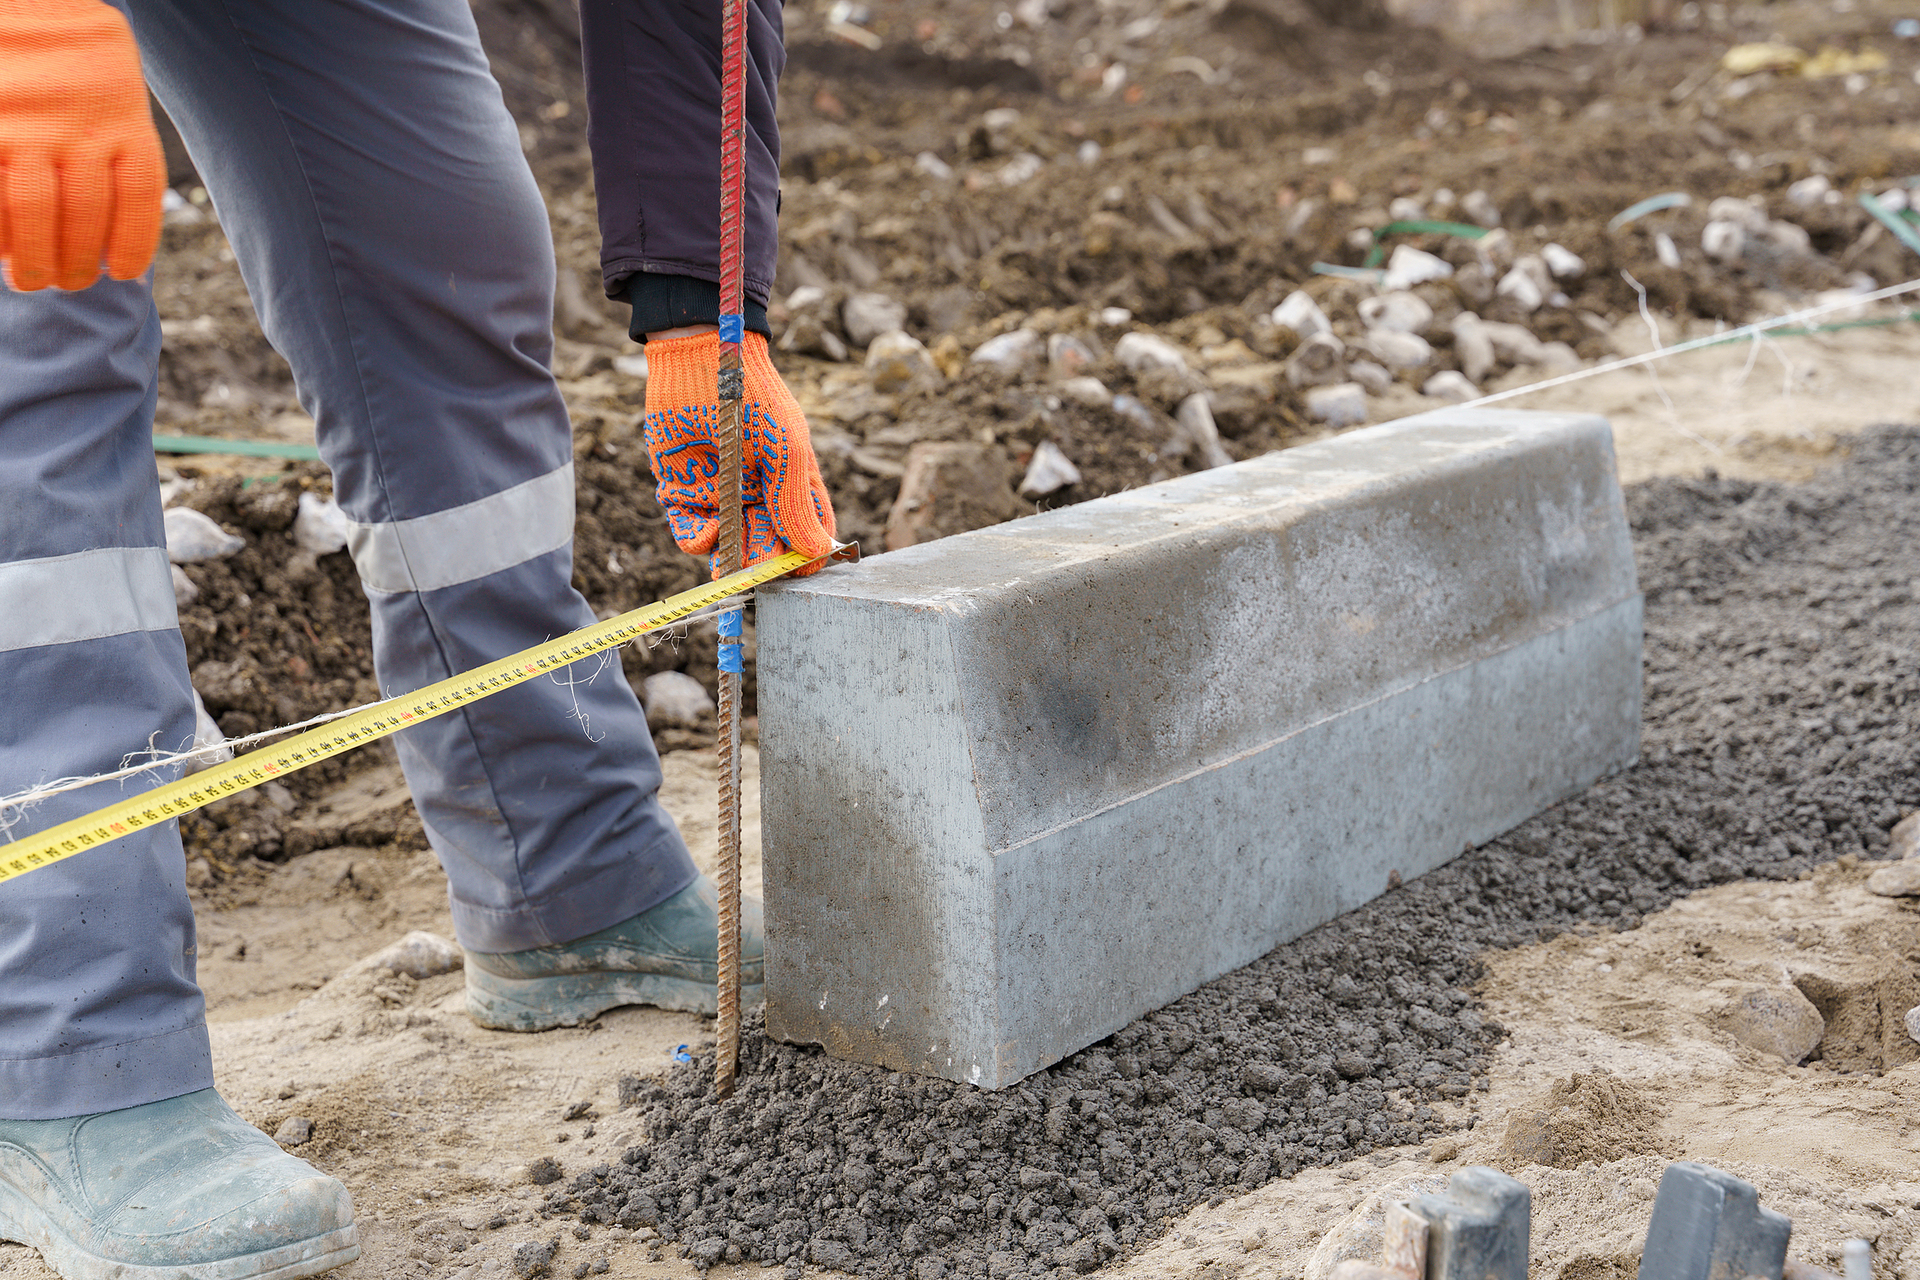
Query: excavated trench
[{"x": 1782, "y": 700}]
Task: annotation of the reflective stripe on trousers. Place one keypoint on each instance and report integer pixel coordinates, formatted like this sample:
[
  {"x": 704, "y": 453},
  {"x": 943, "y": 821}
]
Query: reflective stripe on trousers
[{"x": 373, "y": 189}]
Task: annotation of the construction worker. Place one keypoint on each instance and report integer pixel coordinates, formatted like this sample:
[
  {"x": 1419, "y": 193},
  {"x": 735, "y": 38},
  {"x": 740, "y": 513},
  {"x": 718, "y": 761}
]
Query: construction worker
[{"x": 373, "y": 189}]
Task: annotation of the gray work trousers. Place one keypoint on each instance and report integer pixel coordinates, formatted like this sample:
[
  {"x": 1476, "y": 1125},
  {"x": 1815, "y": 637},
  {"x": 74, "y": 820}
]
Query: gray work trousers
[{"x": 398, "y": 254}]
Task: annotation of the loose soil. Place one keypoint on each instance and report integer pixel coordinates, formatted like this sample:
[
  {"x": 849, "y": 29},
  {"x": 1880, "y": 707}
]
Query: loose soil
[{"x": 1253, "y": 1127}]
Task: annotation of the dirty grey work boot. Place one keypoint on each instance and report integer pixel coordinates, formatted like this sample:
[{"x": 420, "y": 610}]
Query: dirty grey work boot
[
  {"x": 182, "y": 1189},
  {"x": 666, "y": 957}
]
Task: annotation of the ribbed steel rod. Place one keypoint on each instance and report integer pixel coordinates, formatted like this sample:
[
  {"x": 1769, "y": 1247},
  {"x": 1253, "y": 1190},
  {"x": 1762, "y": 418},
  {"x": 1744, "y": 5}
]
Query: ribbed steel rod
[{"x": 732, "y": 398}]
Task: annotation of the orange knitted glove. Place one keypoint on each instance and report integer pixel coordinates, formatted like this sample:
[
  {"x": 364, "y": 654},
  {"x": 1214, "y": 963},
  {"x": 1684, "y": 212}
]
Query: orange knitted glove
[
  {"x": 785, "y": 500},
  {"x": 80, "y": 167}
]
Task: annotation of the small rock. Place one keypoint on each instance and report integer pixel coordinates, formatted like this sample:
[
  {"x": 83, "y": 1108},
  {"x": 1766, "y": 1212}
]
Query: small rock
[
  {"x": 807, "y": 297},
  {"x": 1789, "y": 237},
  {"x": 1901, "y": 880},
  {"x": 1021, "y": 168},
  {"x": 1301, "y": 314},
  {"x": 1088, "y": 391},
  {"x": 1067, "y": 356},
  {"x": 294, "y": 1131},
  {"x": 1049, "y": 471},
  {"x": 420, "y": 955},
  {"x": 1352, "y": 1065},
  {"x": 1563, "y": 262},
  {"x": 1913, "y": 1024},
  {"x": 544, "y": 1172},
  {"x": 1777, "y": 1020},
  {"x": 1341, "y": 405},
  {"x": 1410, "y": 266},
  {"x": 1723, "y": 241},
  {"x": 184, "y": 592},
  {"x": 1319, "y": 361},
  {"x": 1808, "y": 192},
  {"x": 1519, "y": 285},
  {"x": 1666, "y": 251},
  {"x": 1138, "y": 352},
  {"x": 951, "y": 487},
  {"x": 1144, "y": 419},
  {"x": 1082, "y": 1255},
  {"x": 1742, "y": 213},
  {"x": 1514, "y": 343},
  {"x": 1495, "y": 250},
  {"x": 1473, "y": 346},
  {"x": 632, "y": 365},
  {"x": 321, "y": 527},
  {"x": 1399, "y": 312},
  {"x": 1010, "y": 351},
  {"x": 193, "y": 537},
  {"x": 865, "y": 316},
  {"x": 896, "y": 358},
  {"x": 833, "y": 1255},
  {"x": 1479, "y": 206},
  {"x": 1406, "y": 209},
  {"x": 1904, "y": 840},
  {"x": 1557, "y": 358},
  {"x": 1450, "y": 385},
  {"x": 808, "y": 335},
  {"x": 705, "y": 1253},
  {"x": 536, "y": 1259},
  {"x": 675, "y": 700},
  {"x": 933, "y": 166},
  {"x": 1376, "y": 378},
  {"x": 199, "y": 873},
  {"x": 207, "y": 738},
  {"x": 1399, "y": 350},
  {"x": 1114, "y": 317},
  {"x": 1195, "y": 416}
]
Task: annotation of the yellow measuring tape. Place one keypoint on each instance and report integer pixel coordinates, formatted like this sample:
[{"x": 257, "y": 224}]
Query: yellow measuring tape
[{"x": 169, "y": 801}]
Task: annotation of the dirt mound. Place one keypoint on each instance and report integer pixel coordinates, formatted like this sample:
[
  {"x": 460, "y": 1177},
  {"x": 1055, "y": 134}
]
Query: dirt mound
[{"x": 1587, "y": 1117}]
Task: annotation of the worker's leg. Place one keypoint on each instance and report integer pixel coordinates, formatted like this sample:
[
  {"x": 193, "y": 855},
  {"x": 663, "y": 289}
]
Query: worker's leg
[
  {"x": 98, "y": 1007},
  {"x": 398, "y": 253}
]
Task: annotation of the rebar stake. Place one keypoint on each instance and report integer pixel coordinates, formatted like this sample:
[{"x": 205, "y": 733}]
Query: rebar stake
[{"x": 729, "y": 552}]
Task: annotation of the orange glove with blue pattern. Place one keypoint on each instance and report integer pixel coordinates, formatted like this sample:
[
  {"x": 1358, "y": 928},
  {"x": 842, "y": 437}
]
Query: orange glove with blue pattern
[
  {"x": 785, "y": 500},
  {"x": 80, "y": 168}
]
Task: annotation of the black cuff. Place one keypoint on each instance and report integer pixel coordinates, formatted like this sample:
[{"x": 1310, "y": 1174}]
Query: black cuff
[{"x": 674, "y": 302}]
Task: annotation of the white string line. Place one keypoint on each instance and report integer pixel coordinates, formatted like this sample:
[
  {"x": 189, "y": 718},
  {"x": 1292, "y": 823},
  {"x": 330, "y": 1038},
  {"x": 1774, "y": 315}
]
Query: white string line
[
  {"x": 60, "y": 786},
  {"x": 1653, "y": 332},
  {"x": 1696, "y": 344},
  {"x": 17, "y": 803}
]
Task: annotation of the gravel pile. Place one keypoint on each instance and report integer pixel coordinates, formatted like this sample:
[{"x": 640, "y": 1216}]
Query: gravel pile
[{"x": 1783, "y": 701}]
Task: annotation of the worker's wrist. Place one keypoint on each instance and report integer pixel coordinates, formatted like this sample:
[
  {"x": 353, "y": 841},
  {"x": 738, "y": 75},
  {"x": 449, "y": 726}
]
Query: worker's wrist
[{"x": 684, "y": 331}]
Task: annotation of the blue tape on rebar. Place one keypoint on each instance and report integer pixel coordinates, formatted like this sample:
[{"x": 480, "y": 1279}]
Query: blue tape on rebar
[
  {"x": 733, "y": 657},
  {"x": 731, "y": 621},
  {"x": 733, "y": 328}
]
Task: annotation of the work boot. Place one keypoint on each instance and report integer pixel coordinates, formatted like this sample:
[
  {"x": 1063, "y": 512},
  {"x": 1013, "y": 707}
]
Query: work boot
[
  {"x": 666, "y": 957},
  {"x": 183, "y": 1189}
]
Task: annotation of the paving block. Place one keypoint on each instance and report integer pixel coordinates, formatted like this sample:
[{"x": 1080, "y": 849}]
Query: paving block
[
  {"x": 1023, "y": 785},
  {"x": 1479, "y": 1228},
  {"x": 1708, "y": 1225}
]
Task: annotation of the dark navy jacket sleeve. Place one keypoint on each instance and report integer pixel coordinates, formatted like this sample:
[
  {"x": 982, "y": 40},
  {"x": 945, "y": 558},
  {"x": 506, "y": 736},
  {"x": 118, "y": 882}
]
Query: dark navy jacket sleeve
[{"x": 653, "y": 121}]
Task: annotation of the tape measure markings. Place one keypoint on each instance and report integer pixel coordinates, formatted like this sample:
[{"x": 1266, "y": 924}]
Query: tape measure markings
[{"x": 171, "y": 800}]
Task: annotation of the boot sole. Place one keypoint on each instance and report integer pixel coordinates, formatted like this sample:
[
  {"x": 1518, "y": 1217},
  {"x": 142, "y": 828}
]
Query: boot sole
[
  {"x": 569, "y": 1000},
  {"x": 23, "y": 1221}
]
